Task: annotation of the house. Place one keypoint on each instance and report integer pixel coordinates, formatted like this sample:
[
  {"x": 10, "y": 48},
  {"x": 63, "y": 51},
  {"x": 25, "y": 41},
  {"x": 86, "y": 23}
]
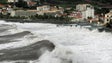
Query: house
[
  {"x": 108, "y": 17},
  {"x": 87, "y": 10},
  {"x": 75, "y": 14},
  {"x": 9, "y": 9},
  {"x": 31, "y": 3},
  {"x": 54, "y": 8},
  {"x": 43, "y": 8},
  {"x": 4, "y": 11},
  {"x": 49, "y": 10},
  {"x": 11, "y": 1},
  {"x": 82, "y": 7},
  {"x": 1, "y": 5},
  {"x": 52, "y": 13}
]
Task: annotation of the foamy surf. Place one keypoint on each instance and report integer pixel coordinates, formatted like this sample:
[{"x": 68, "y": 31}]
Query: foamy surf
[{"x": 73, "y": 44}]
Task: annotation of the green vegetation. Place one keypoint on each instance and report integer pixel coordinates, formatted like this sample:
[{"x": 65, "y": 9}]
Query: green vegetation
[
  {"x": 83, "y": 1},
  {"x": 37, "y": 18},
  {"x": 101, "y": 10},
  {"x": 3, "y": 1},
  {"x": 64, "y": 18}
]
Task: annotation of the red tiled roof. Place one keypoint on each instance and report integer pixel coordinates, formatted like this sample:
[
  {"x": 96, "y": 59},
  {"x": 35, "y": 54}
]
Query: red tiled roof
[
  {"x": 1, "y": 5},
  {"x": 31, "y": 3}
]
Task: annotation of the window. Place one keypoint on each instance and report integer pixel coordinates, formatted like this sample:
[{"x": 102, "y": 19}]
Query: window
[{"x": 107, "y": 19}]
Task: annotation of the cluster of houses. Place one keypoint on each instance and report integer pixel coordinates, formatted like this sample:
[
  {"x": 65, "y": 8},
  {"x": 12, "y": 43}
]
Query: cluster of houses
[
  {"x": 40, "y": 10},
  {"x": 80, "y": 13},
  {"x": 87, "y": 12}
]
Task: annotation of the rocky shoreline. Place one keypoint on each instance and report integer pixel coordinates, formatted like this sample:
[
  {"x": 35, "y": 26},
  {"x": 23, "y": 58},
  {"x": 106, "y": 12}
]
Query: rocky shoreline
[
  {"x": 53, "y": 21},
  {"x": 63, "y": 23}
]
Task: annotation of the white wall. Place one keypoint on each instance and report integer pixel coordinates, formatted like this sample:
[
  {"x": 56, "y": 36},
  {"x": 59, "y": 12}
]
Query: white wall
[
  {"x": 88, "y": 13},
  {"x": 12, "y": 13},
  {"x": 86, "y": 9},
  {"x": 43, "y": 8},
  {"x": 12, "y": 1},
  {"x": 108, "y": 17}
]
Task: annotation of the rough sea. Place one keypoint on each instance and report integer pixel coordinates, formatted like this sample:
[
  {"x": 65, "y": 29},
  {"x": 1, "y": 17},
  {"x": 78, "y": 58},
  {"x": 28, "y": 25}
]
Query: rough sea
[{"x": 49, "y": 43}]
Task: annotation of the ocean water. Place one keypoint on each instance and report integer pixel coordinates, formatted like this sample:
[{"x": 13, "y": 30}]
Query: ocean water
[{"x": 73, "y": 44}]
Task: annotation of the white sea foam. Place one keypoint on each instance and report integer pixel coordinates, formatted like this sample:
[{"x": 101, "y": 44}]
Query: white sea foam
[{"x": 73, "y": 44}]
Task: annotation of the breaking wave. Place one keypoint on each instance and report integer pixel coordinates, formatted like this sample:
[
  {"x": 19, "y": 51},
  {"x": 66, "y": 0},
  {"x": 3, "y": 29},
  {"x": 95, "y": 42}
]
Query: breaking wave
[{"x": 75, "y": 44}]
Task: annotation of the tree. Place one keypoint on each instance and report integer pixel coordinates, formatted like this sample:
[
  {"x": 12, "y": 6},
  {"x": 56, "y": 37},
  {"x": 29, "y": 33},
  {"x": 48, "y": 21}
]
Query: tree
[
  {"x": 3, "y": 1},
  {"x": 21, "y": 3},
  {"x": 102, "y": 10},
  {"x": 89, "y": 17}
]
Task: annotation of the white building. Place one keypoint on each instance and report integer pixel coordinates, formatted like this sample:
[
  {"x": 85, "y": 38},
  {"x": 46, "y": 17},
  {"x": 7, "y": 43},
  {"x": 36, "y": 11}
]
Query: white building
[
  {"x": 108, "y": 17},
  {"x": 43, "y": 8},
  {"x": 81, "y": 7},
  {"x": 25, "y": 13},
  {"x": 11, "y": 1},
  {"x": 87, "y": 10},
  {"x": 49, "y": 10}
]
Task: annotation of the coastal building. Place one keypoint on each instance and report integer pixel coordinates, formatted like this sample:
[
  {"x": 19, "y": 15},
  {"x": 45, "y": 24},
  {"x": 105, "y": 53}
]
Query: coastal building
[
  {"x": 108, "y": 17},
  {"x": 76, "y": 16},
  {"x": 31, "y": 3},
  {"x": 25, "y": 13},
  {"x": 2, "y": 5},
  {"x": 4, "y": 11},
  {"x": 49, "y": 10},
  {"x": 54, "y": 8},
  {"x": 52, "y": 13},
  {"x": 82, "y": 7},
  {"x": 43, "y": 8},
  {"x": 9, "y": 9},
  {"x": 11, "y": 1},
  {"x": 87, "y": 10}
]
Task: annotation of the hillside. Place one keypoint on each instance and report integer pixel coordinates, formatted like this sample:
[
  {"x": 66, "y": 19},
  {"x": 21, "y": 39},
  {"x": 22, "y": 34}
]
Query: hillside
[
  {"x": 3, "y": 1},
  {"x": 96, "y": 2},
  {"x": 102, "y": 3},
  {"x": 72, "y": 3}
]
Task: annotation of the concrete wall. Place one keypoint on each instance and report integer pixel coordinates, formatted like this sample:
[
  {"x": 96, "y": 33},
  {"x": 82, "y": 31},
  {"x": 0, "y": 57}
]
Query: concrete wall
[{"x": 23, "y": 13}]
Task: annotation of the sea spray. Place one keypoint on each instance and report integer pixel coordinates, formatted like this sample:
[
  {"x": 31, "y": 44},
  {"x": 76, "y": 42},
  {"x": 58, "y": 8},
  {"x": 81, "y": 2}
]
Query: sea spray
[{"x": 73, "y": 44}]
